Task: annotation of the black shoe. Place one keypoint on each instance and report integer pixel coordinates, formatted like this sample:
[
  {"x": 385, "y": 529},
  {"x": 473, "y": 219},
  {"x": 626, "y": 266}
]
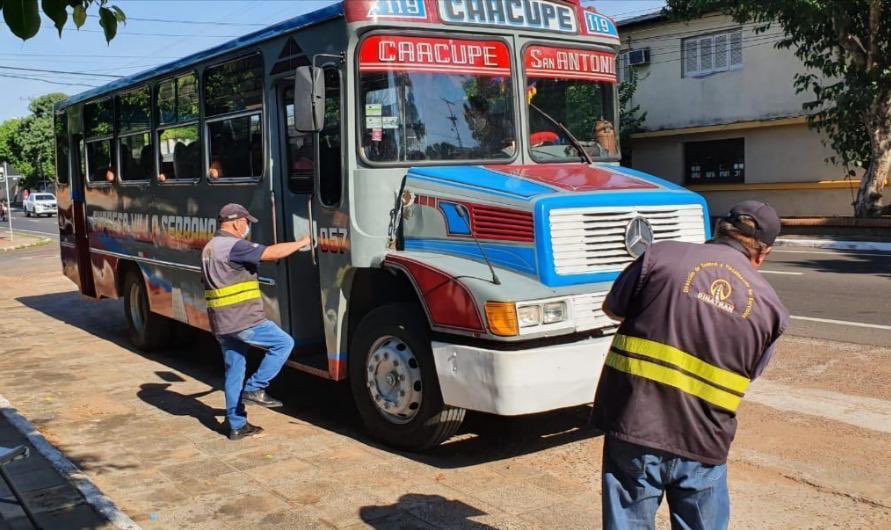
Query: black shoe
[
  {"x": 260, "y": 397},
  {"x": 244, "y": 432}
]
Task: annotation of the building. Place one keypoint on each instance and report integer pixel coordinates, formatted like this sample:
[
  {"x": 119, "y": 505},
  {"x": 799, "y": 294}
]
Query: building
[{"x": 724, "y": 119}]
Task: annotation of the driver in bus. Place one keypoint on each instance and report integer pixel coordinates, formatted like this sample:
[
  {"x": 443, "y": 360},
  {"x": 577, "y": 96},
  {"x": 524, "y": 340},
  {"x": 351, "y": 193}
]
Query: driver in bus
[{"x": 229, "y": 264}]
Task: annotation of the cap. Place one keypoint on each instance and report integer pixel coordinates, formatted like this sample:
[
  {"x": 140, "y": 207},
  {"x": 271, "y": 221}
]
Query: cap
[
  {"x": 233, "y": 211},
  {"x": 767, "y": 222}
]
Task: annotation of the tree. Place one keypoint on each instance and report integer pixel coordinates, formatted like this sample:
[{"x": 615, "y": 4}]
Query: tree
[
  {"x": 23, "y": 16},
  {"x": 631, "y": 119},
  {"x": 29, "y": 143},
  {"x": 846, "y": 45}
]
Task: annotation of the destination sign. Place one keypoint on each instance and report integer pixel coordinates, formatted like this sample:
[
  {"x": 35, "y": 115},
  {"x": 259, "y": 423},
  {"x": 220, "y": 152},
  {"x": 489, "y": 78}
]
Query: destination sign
[
  {"x": 567, "y": 63},
  {"x": 597, "y": 24},
  {"x": 397, "y": 9},
  {"x": 526, "y": 14},
  {"x": 381, "y": 53}
]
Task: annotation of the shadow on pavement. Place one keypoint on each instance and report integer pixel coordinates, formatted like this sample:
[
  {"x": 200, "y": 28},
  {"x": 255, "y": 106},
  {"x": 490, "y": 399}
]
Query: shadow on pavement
[
  {"x": 447, "y": 514},
  {"x": 872, "y": 263},
  {"x": 323, "y": 403}
]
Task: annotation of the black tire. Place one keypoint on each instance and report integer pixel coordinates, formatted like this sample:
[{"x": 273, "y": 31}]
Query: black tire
[
  {"x": 148, "y": 331},
  {"x": 27, "y": 213},
  {"x": 433, "y": 422}
]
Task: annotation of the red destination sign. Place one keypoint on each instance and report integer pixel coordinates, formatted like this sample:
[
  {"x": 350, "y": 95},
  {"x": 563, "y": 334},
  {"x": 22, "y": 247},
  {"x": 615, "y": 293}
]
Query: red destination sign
[
  {"x": 566, "y": 63},
  {"x": 381, "y": 53}
]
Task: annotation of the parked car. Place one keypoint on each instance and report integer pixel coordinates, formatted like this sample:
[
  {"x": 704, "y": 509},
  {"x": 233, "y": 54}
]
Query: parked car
[{"x": 40, "y": 204}]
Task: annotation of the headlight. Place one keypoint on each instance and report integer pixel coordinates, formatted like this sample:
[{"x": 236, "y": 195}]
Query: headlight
[
  {"x": 554, "y": 312},
  {"x": 529, "y": 315}
]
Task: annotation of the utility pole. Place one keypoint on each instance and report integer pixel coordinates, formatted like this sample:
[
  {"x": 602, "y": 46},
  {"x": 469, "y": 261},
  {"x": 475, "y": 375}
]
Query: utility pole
[{"x": 5, "y": 176}]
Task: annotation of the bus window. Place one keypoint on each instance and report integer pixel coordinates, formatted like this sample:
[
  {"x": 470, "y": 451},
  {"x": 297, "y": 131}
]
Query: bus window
[
  {"x": 134, "y": 126},
  {"x": 233, "y": 102},
  {"x": 179, "y": 148},
  {"x": 330, "y": 157},
  {"x": 98, "y": 127},
  {"x": 299, "y": 150},
  {"x": 61, "y": 130}
]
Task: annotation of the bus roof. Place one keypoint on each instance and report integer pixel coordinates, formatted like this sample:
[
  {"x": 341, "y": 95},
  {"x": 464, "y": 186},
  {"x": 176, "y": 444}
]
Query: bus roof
[{"x": 308, "y": 19}]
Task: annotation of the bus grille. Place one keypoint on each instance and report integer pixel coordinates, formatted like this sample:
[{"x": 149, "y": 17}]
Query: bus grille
[
  {"x": 592, "y": 240},
  {"x": 587, "y": 312}
]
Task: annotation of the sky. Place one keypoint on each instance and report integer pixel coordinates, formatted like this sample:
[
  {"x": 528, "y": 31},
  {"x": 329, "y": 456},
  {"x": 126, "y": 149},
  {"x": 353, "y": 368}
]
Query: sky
[{"x": 157, "y": 31}]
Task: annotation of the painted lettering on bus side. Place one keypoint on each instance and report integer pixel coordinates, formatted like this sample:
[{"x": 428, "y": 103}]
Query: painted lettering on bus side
[
  {"x": 174, "y": 231},
  {"x": 333, "y": 239},
  {"x": 534, "y": 14}
]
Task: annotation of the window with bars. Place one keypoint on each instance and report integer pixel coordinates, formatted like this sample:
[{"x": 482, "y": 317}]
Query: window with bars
[{"x": 708, "y": 54}]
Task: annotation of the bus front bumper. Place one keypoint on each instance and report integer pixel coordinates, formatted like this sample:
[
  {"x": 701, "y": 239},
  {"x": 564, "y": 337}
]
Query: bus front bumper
[{"x": 510, "y": 383}]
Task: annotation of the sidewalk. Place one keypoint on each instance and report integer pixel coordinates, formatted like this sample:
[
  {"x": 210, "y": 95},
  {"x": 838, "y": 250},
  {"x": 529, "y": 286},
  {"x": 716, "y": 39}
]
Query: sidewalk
[
  {"x": 19, "y": 240},
  {"x": 866, "y": 235},
  {"x": 55, "y": 501}
]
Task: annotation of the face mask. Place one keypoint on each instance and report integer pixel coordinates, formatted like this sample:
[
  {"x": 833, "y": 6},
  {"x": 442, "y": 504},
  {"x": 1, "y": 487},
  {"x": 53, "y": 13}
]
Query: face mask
[{"x": 247, "y": 232}]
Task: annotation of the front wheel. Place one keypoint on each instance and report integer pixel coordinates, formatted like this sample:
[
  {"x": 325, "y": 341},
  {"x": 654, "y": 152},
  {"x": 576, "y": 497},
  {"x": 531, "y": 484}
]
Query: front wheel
[
  {"x": 394, "y": 382},
  {"x": 148, "y": 331}
]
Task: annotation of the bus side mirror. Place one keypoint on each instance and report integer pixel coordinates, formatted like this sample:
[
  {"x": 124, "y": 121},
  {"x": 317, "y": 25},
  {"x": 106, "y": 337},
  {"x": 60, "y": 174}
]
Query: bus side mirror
[{"x": 309, "y": 95}]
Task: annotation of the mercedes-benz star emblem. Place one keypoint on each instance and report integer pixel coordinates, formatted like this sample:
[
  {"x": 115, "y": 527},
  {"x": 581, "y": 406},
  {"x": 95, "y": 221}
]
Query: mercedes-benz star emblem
[{"x": 638, "y": 236}]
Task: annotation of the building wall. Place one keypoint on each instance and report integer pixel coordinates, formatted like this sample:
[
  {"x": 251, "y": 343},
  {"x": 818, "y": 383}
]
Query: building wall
[
  {"x": 761, "y": 89},
  {"x": 790, "y": 155}
]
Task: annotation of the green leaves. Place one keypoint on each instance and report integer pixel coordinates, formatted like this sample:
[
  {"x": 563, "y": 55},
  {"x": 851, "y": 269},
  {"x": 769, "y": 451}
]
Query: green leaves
[{"x": 23, "y": 16}]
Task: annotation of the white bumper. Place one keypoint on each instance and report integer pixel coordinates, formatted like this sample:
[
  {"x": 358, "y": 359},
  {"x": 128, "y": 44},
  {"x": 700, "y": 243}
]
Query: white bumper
[{"x": 509, "y": 383}]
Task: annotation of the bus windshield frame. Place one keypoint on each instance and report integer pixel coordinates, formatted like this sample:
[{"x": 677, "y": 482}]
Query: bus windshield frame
[
  {"x": 550, "y": 144},
  {"x": 459, "y": 118}
]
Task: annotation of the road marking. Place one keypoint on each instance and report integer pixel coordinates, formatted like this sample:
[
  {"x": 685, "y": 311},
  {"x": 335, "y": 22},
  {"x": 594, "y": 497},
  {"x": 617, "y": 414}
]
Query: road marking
[
  {"x": 867, "y": 413},
  {"x": 842, "y": 322},
  {"x": 834, "y": 253},
  {"x": 783, "y": 272}
]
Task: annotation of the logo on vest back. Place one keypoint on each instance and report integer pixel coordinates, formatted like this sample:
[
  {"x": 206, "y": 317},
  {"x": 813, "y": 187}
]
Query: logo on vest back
[{"x": 714, "y": 283}]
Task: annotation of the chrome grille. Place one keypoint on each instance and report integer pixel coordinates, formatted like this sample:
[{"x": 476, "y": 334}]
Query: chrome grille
[
  {"x": 591, "y": 240},
  {"x": 587, "y": 312}
]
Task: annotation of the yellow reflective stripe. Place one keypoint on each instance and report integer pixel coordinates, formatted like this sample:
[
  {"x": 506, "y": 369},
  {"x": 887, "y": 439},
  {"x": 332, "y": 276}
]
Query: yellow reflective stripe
[
  {"x": 232, "y": 289},
  {"x": 670, "y": 377},
  {"x": 684, "y": 361},
  {"x": 216, "y": 303}
]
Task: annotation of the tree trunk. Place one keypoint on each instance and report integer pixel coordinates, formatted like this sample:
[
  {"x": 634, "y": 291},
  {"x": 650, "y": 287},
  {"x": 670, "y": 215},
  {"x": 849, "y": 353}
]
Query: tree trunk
[{"x": 869, "y": 195}]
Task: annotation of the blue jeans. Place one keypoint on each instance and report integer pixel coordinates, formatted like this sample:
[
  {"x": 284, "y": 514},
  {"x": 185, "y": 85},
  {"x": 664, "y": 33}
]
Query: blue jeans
[
  {"x": 266, "y": 335},
  {"x": 635, "y": 479}
]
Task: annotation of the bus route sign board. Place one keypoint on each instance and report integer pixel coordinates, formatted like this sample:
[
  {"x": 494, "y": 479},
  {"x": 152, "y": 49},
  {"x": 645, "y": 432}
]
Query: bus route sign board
[
  {"x": 388, "y": 53},
  {"x": 568, "y": 63},
  {"x": 520, "y": 14}
]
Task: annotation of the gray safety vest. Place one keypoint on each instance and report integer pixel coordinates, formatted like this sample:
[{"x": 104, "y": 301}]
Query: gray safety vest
[{"x": 234, "y": 302}]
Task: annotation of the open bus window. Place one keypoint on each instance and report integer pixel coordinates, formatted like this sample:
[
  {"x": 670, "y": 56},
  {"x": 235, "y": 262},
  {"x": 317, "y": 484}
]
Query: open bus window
[
  {"x": 575, "y": 88},
  {"x": 99, "y": 131},
  {"x": 233, "y": 101},
  {"x": 180, "y": 153},
  {"x": 134, "y": 144},
  {"x": 460, "y": 108},
  {"x": 179, "y": 148},
  {"x": 299, "y": 150}
]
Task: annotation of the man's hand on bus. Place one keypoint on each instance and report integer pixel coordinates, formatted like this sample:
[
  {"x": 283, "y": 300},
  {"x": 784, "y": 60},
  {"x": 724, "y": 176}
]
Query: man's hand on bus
[{"x": 283, "y": 250}]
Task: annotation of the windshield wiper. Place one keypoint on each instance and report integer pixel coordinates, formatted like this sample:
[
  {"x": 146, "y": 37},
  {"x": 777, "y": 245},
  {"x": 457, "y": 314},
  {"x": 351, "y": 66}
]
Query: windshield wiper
[{"x": 575, "y": 142}]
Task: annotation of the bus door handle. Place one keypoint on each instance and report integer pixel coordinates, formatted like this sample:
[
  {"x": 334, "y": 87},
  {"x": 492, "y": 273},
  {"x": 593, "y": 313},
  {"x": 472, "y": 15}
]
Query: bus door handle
[{"x": 312, "y": 231}]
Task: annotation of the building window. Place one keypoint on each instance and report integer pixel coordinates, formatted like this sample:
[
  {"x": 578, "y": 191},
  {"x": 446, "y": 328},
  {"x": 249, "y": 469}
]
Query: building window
[
  {"x": 715, "y": 162},
  {"x": 709, "y": 54}
]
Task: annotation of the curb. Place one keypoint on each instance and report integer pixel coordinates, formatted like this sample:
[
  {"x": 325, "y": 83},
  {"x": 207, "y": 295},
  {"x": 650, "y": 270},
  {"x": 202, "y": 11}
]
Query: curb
[
  {"x": 36, "y": 243},
  {"x": 92, "y": 495},
  {"x": 831, "y": 244}
]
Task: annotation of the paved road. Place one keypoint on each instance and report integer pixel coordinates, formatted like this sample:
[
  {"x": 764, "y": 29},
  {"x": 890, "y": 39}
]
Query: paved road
[
  {"x": 46, "y": 226},
  {"x": 843, "y": 296}
]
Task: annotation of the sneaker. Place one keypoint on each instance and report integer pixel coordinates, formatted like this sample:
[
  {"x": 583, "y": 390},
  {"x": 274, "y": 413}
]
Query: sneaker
[
  {"x": 260, "y": 397},
  {"x": 244, "y": 432}
]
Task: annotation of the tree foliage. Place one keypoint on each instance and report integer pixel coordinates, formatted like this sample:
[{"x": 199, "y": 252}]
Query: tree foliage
[
  {"x": 846, "y": 46},
  {"x": 28, "y": 143},
  {"x": 631, "y": 118},
  {"x": 23, "y": 16}
]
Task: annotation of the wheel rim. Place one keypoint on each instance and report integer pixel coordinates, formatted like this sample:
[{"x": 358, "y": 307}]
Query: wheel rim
[
  {"x": 137, "y": 308},
  {"x": 393, "y": 379}
]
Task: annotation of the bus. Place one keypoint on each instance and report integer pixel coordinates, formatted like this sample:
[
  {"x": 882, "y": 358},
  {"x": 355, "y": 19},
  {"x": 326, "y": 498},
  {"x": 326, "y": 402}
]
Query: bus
[{"x": 455, "y": 162}]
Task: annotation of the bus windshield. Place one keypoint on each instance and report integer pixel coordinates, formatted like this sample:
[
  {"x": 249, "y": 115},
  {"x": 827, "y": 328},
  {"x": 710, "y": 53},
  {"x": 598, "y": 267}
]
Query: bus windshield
[
  {"x": 575, "y": 89},
  {"x": 435, "y": 99}
]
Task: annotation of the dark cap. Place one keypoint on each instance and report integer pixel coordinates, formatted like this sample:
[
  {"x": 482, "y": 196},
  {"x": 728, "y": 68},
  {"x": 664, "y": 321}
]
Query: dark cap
[
  {"x": 767, "y": 222},
  {"x": 233, "y": 211}
]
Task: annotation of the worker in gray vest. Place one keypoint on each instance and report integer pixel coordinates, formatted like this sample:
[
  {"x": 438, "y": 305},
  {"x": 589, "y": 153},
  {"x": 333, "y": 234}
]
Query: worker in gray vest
[
  {"x": 235, "y": 308},
  {"x": 699, "y": 323}
]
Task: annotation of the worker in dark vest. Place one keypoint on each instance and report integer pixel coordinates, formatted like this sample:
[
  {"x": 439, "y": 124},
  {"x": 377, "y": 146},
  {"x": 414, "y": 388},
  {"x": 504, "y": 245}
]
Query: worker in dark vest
[
  {"x": 235, "y": 308},
  {"x": 699, "y": 323}
]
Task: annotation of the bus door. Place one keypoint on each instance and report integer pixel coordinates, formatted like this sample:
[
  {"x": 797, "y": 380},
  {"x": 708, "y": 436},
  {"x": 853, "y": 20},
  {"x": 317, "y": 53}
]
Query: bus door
[
  {"x": 298, "y": 161},
  {"x": 73, "y": 227}
]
